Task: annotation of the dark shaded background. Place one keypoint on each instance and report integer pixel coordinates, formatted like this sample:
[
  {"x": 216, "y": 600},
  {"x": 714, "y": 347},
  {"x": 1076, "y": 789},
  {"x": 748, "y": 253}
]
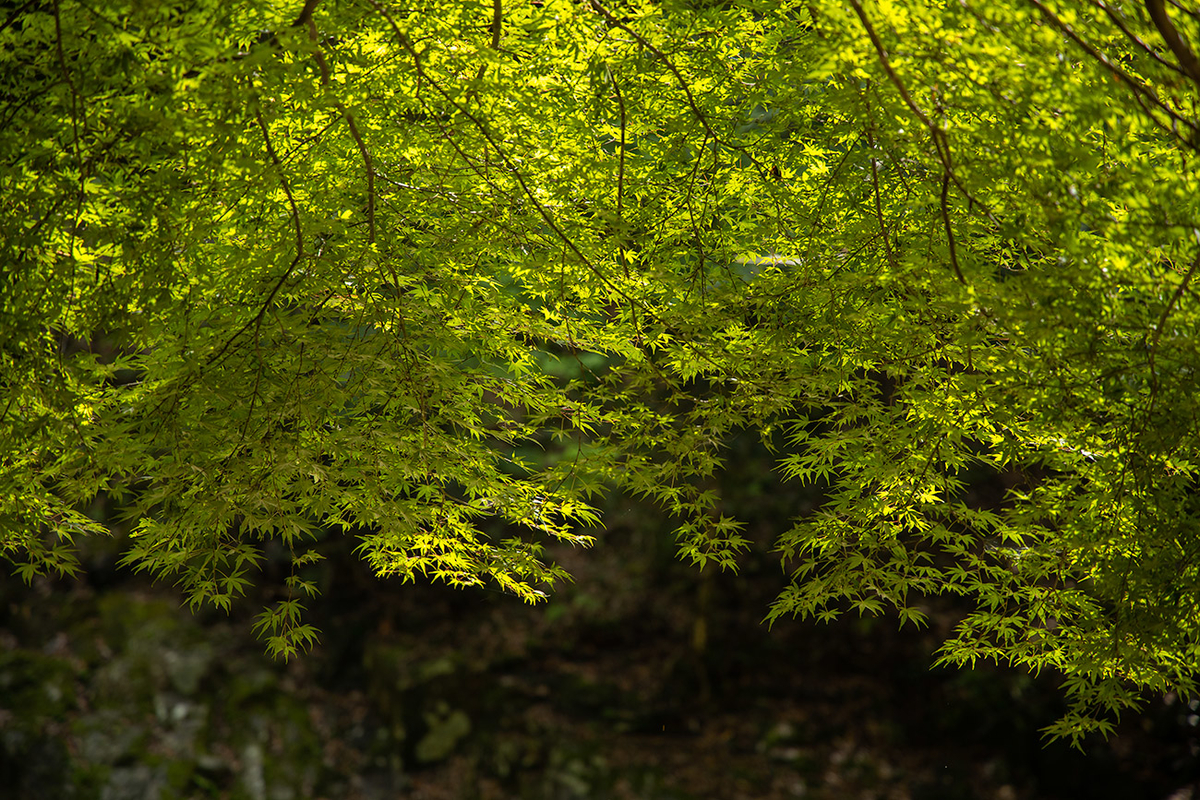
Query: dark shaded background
[{"x": 643, "y": 679}]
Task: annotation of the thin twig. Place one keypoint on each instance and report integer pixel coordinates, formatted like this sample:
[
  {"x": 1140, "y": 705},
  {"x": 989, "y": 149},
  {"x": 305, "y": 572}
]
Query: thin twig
[
  {"x": 256, "y": 322},
  {"x": 621, "y": 163},
  {"x": 683, "y": 84},
  {"x": 945, "y": 205},
  {"x": 883, "y": 229},
  {"x": 306, "y": 19}
]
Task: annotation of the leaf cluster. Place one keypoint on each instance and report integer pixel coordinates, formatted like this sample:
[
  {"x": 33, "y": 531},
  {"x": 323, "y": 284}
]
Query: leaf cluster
[{"x": 437, "y": 277}]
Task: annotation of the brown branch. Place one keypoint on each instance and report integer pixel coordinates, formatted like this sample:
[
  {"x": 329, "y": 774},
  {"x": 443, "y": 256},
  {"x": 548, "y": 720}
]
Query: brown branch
[
  {"x": 883, "y": 229},
  {"x": 15, "y": 108},
  {"x": 886, "y": 63},
  {"x": 306, "y": 13},
  {"x": 945, "y": 206},
  {"x": 832, "y": 175},
  {"x": 1133, "y": 37},
  {"x": 66, "y": 73},
  {"x": 683, "y": 84},
  {"x": 546, "y": 216},
  {"x": 423, "y": 77},
  {"x": 76, "y": 104},
  {"x": 1179, "y": 290},
  {"x": 940, "y": 142},
  {"x": 1140, "y": 90},
  {"x": 365, "y": 154},
  {"x": 497, "y": 28},
  {"x": 621, "y": 163},
  {"x": 1187, "y": 58},
  {"x": 497, "y": 23},
  {"x": 287, "y": 189},
  {"x": 1152, "y": 347},
  {"x": 15, "y": 15},
  {"x": 691, "y": 192}
]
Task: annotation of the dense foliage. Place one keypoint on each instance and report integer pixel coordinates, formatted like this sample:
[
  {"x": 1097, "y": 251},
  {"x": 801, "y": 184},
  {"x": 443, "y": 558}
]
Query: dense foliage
[{"x": 437, "y": 275}]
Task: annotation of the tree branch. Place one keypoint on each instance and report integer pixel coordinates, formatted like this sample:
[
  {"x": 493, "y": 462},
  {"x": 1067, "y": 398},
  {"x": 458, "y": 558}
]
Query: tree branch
[
  {"x": 1187, "y": 59},
  {"x": 306, "y": 19},
  {"x": 883, "y": 229},
  {"x": 423, "y": 76},
  {"x": 683, "y": 84},
  {"x": 497, "y": 23},
  {"x": 945, "y": 206},
  {"x": 256, "y": 322},
  {"x": 1179, "y": 290},
  {"x": 1133, "y": 37},
  {"x": 621, "y": 163},
  {"x": 1141, "y": 92},
  {"x": 940, "y": 142}
]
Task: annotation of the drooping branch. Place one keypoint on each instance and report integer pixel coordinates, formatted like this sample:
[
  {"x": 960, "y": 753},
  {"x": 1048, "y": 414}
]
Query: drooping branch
[
  {"x": 936, "y": 133},
  {"x": 940, "y": 142}
]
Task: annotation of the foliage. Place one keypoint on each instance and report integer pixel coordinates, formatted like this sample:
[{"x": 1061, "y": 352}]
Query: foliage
[{"x": 436, "y": 276}]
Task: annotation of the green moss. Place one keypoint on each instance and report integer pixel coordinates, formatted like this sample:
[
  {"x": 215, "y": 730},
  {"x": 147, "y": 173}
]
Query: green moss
[{"x": 446, "y": 728}]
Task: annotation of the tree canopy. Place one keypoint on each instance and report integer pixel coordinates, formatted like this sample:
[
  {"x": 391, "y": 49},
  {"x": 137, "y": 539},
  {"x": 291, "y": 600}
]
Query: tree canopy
[{"x": 439, "y": 275}]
